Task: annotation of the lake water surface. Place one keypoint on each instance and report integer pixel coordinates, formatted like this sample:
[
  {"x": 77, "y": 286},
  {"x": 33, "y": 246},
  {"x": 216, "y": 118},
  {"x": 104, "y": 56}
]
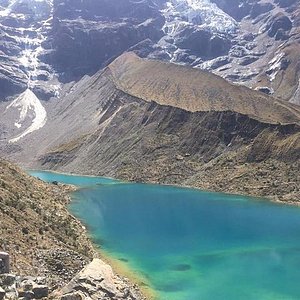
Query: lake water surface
[{"x": 192, "y": 245}]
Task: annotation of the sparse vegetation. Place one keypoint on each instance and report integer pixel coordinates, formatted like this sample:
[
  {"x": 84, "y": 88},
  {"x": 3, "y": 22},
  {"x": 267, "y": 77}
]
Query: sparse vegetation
[{"x": 35, "y": 224}]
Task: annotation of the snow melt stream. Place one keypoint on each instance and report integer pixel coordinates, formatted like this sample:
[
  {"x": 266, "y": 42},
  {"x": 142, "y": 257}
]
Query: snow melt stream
[{"x": 31, "y": 38}]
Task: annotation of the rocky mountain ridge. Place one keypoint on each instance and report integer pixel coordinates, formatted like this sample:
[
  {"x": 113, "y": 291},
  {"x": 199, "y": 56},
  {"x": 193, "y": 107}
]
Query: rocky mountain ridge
[
  {"x": 126, "y": 122},
  {"x": 48, "y": 43},
  {"x": 68, "y": 39}
]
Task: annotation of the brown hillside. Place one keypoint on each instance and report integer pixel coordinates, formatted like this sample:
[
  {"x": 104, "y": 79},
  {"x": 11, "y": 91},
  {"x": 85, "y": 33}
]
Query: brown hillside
[
  {"x": 196, "y": 90},
  {"x": 98, "y": 128},
  {"x": 36, "y": 229}
]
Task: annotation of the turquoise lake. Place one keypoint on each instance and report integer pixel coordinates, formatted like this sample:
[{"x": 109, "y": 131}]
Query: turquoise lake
[{"x": 192, "y": 245}]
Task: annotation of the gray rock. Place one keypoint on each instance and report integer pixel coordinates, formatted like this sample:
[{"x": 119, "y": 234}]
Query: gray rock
[
  {"x": 247, "y": 60},
  {"x": 4, "y": 262},
  {"x": 26, "y": 294},
  {"x": 27, "y": 285},
  {"x": 97, "y": 281},
  {"x": 74, "y": 296},
  {"x": 40, "y": 291},
  {"x": 260, "y": 8},
  {"x": 2, "y": 293},
  {"x": 279, "y": 22},
  {"x": 7, "y": 280},
  {"x": 265, "y": 90}
]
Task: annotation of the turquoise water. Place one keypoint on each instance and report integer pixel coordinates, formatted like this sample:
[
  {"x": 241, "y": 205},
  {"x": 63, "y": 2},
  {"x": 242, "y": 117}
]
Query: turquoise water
[
  {"x": 194, "y": 245},
  {"x": 81, "y": 181}
]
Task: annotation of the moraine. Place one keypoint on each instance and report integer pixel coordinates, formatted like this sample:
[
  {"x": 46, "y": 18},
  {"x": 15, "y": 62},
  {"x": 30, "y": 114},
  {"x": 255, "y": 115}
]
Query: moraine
[{"x": 191, "y": 244}]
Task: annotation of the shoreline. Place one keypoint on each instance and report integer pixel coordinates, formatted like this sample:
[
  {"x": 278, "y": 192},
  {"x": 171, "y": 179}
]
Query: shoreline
[
  {"x": 261, "y": 198},
  {"x": 120, "y": 269}
]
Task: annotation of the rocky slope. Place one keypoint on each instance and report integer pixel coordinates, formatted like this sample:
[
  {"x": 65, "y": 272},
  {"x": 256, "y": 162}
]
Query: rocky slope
[
  {"x": 138, "y": 120},
  {"x": 36, "y": 229},
  {"x": 47, "y": 245}
]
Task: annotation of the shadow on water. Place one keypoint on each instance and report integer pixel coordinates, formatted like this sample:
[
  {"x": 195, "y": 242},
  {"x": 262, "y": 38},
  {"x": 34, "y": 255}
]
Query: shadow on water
[{"x": 180, "y": 267}]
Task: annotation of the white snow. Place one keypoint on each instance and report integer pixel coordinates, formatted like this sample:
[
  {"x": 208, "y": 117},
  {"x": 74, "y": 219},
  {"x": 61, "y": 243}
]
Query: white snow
[
  {"x": 180, "y": 13},
  {"x": 32, "y": 42},
  {"x": 27, "y": 103},
  {"x": 275, "y": 65},
  {"x": 201, "y": 14},
  {"x": 30, "y": 108},
  {"x": 7, "y": 10}
]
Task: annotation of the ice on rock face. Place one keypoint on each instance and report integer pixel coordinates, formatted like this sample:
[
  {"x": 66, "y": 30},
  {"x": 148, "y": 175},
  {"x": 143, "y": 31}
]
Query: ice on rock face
[
  {"x": 30, "y": 37},
  {"x": 195, "y": 15},
  {"x": 40, "y": 8},
  {"x": 202, "y": 13}
]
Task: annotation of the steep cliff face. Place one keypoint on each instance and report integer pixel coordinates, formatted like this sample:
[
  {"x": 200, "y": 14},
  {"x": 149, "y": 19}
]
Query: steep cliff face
[
  {"x": 47, "y": 43},
  {"x": 248, "y": 41},
  {"x": 138, "y": 120},
  {"x": 87, "y": 35}
]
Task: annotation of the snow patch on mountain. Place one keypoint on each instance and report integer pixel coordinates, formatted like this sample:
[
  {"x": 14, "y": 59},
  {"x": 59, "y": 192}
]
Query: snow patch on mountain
[
  {"x": 28, "y": 104},
  {"x": 275, "y": 65},
  {"x": 203, "y": 13}
]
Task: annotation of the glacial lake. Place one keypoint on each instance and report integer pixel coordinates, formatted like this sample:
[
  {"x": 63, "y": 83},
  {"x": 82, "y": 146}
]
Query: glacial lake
[{"x": 192, "y": 245}]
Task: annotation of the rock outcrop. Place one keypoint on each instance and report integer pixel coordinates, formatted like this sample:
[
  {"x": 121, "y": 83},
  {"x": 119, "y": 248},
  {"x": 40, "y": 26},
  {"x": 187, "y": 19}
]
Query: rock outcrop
[
  {"x": 98, "y": 281},
  {"x": 22, "y": 287}
]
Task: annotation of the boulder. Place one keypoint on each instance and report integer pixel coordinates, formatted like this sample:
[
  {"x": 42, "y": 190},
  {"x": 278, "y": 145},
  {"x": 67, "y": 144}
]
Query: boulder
[
  {"x": 97, "y": 281},
  {"x": 2, "y": 294},
  {"x": 247, "y": 60},
  {"x": 7, "y": 280},
  {"x": 40, "y": 291},
  {"x": 26, "y": 294},
  {"x": 75, "y": 296},
  {"x": 265, "y": 90},
  {"x": 279, "y": 22},
  {"x": 4, "y": 262}
]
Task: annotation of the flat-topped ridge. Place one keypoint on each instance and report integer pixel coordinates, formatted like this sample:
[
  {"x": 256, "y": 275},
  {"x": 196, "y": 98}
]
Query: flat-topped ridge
[{"x": 195, "y": 90}]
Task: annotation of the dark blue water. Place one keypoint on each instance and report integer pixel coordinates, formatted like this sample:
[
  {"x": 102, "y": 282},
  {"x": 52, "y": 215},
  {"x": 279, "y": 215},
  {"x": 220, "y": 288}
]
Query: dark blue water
[{"x": 195, "y": 245}]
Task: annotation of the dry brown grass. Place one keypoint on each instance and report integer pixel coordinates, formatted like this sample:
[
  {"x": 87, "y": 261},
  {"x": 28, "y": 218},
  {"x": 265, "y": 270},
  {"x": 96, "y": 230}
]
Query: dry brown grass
[
  {"x": 195, "y": 90},
  {"x": 36, "y": 226}
]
